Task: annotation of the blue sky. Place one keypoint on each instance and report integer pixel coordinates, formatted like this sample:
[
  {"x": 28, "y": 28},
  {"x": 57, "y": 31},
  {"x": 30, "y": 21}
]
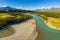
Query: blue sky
[{"x": 30, "y": 4}]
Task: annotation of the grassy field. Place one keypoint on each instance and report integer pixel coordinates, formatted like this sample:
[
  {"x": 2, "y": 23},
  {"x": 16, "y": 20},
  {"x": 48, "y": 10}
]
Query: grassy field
[{"x": 54, "y": 22}]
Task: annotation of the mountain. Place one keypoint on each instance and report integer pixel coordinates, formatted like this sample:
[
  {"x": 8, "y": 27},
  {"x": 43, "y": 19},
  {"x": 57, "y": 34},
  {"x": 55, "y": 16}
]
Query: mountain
[
  {"x": 6, "y": 8},
  {"x": 10, "y": 9},
  {"x": 48, "y": 10},
  {"x": 55, "y": 9}
]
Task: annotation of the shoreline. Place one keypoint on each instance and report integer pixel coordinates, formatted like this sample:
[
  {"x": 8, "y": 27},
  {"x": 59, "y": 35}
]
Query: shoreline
[
  {"x": 23, "y": 31},
  {"x": 51, "y": 26}
]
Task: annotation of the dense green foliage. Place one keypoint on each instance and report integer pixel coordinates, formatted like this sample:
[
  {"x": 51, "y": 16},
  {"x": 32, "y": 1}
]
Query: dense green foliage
[
  {"x": 48, "y": 14},
  {"x": 12, "y": 18}
]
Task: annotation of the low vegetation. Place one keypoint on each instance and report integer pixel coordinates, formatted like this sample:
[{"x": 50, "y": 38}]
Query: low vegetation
[
  {"x": 6, "y": 18},
  {"x": 48, "y": 14},
  {"x": 54, "y": 22},
  {"x": 52, "y": 17}
]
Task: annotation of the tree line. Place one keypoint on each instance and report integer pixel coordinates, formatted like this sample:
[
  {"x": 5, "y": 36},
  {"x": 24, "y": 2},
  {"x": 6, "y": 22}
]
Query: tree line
[{"x": 13, "y": 18}]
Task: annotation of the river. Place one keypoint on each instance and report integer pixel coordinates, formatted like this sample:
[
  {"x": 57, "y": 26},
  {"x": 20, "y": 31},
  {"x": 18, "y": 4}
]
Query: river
[{"x": 45, "y": 33}]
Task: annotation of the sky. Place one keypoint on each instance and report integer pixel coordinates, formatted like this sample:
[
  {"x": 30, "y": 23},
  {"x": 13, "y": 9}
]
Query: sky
[{"x": 30, "y": 4}]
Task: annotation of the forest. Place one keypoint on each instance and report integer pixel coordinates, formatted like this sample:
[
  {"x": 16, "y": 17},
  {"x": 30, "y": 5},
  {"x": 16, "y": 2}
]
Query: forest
[{"x": 45, "y": 15}]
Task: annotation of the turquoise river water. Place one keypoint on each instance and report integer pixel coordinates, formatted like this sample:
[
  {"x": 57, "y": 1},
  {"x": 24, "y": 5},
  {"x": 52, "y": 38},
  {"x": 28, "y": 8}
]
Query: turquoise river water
[{"x": 45, "y": 33}]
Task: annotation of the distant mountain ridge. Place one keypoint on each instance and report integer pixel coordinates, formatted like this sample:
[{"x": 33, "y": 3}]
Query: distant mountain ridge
[
  {"x": 11, "y": 9},
  {"x": 48, "y": 10},
  {"x": 6, "y": 8}
]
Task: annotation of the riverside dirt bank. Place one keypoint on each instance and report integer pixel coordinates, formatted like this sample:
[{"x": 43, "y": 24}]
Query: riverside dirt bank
[{"x": 23, "y": 31}]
